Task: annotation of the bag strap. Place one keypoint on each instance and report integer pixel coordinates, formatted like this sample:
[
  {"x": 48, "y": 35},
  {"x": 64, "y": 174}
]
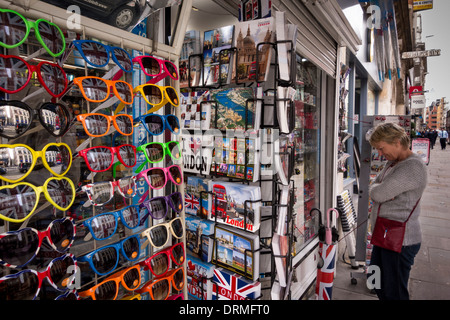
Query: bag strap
[{"x": 413, "y": 210}]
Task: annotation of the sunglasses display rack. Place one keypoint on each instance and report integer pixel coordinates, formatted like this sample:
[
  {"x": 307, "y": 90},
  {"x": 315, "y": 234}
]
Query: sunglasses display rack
[{"x": 281, "y": 199}]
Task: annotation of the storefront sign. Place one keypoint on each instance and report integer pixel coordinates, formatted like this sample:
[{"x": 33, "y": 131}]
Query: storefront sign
[
  {"x": 418, "y": 101},
  {"x": 415, "y": 90},
  {"x": 421, "y": 54},
  {"x": 419, "y": 5},
  {"x": 421, "y": 147}
]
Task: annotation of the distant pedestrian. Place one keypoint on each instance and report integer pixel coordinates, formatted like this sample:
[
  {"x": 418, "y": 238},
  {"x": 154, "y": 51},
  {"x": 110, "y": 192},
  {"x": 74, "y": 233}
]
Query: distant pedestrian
[
  {"x": 433, "y": 137},
  {"x": 443, "y": 138},
  {"x": 396, "y": 192}
]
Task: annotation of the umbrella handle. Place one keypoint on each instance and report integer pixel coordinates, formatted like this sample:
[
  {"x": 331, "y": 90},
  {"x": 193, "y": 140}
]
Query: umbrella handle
[{"x": 330, "y": 221}]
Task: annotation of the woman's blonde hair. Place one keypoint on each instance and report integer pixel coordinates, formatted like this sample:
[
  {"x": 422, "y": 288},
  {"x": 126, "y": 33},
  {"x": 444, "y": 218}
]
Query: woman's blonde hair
[{"x": 389, "y": 133}]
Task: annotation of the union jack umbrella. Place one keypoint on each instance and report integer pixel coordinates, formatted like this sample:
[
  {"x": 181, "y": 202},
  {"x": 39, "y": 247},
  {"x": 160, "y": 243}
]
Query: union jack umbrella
[
  {"x": 228, "y": 286},
  {"x": 327, "y": 257}
]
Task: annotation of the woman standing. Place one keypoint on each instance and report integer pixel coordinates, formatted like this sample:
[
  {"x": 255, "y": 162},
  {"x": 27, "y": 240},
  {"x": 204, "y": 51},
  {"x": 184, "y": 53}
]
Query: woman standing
[{"x": 395, "y": 193}]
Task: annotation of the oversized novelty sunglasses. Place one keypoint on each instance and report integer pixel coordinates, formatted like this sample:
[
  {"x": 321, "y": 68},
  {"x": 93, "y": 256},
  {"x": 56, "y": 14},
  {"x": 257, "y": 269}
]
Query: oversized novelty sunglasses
[
  {"x": 158, "y": 235},
  {"x": 104, "y": 225},
  {"x": 156, "y": 151},
  {"x": 157, "y": 178},
  {"x": 155, "y": 124},
  {"x": 100, "y": 193},
  {"x": 159, "y": 263},
  {"x": 18, "y": 248},
  {"x": 158, "y": 207},
  {"x": 97, "y": 54},
  {"x": 104, "y": 260},
  {"x": 96, "y": 89},
  {"x": 156, "y": 96},
  {"x": 160, "y": 288},
  {"x": 156, "y": 68},
  {"x": 101, "y": 158},
  {"x": 26, "y": 284},
  {"x": 16, "y": 28},
  {"x": 16, "y": 73},
  {"x": 108, "y": 289},
  {"x": 19, "y": 201},
  {"x": 19, "y": 160},
  {"x": 98, "y": 124},
  {"x": 17, "y": 118}
]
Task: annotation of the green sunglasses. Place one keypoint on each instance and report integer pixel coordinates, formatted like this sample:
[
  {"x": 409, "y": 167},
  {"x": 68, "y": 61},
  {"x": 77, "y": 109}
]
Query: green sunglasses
[
  {"x": 156, "y": 151},
  {"x": 15, "y": 28}
]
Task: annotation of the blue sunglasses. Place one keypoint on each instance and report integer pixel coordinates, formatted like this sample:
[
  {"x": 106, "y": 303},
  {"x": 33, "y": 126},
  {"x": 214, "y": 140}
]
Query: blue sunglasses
[
  {"x": 104, "y": 225},
  {"x": 155, "y": 124},
  {"x": 104, "y": 260},
  {"x": 97, "y": 54}
]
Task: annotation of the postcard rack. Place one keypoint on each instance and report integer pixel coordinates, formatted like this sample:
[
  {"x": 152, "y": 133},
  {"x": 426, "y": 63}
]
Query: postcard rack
[{"x": 272, "y": 101}]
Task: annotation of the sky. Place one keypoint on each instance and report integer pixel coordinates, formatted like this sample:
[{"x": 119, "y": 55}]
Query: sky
[{"x": 435, "y": 34}]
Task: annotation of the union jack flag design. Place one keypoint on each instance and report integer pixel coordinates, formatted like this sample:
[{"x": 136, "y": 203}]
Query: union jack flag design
[
  {"x": 325, "y": 275},
  {"x": 191, "y": 203},
  {"x": 227, "y": 286}
]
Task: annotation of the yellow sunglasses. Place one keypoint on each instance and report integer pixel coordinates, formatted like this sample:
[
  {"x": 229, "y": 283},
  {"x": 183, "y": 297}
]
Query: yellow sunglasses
[
  {"x": 18, "y": 160},
  {"x": 19, "y": 201},
  {"x": 156, "y": 96}
]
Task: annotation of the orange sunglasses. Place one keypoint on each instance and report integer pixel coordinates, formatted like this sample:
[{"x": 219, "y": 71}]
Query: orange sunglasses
[
  {"x": 98, "y": 124},
  {"x": 109, "y": 288},
  {"x": 159, "y": 288},
  {"x": 95, "y": 89}
]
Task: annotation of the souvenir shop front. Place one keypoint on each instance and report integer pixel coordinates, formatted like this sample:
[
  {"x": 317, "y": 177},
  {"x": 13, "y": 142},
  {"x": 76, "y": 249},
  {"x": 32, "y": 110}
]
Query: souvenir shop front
[{"x": 161, "y": 150}]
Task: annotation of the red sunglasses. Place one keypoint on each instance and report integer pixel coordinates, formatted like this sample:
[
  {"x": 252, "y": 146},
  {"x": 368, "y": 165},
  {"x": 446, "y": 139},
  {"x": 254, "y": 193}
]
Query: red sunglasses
[
  {"x": 101, "y": 158},
  {"x": 159, "y": 263},
  {"x": 16, "y": 73}
]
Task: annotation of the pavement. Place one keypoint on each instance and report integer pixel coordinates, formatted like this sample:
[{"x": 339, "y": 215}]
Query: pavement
[{"x": 430, "y": 274}]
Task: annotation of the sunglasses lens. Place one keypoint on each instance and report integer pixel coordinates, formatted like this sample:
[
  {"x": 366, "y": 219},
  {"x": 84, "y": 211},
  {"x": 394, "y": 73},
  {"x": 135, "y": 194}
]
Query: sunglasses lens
[
  {"x": 131, "y": 248},
  {"x": 21, "y": 287},
  {"x": 61, "y": 271},
  {"x": 127, "y": 187},
  {"x": 157, "y": 178},
  {"x": 178, "y": 253},
  {"x": 62, "y": 234},
  {"x": 17, "y": 202},
  {"x": 95, "y": 89},
  {"x": 14, "y": 120},
  {"x": 103, "y": 226},
  {"x": 172, "y": 95},
  {"x": 174, "y": 148},
  {"x": 132, "y": 279},
  {"x": 15, "y": 162},
  {"x": 58, "y": 159},
  {"x": 14, "y": 74},
  {"x": 154, "y": 152},
  {"x": 172, "y": 70},
  {"x": 159, "y": 235},
  {"x": 153, "y": 94},
  {"x": 61, "y": 192},
  {"x": 160, "y": 263},
  {"x": 99, "y": 159},
  {"x": 95, "y": 53},
  {"x": 101, "y": 193},
  {"x": 128, "y": 155},
  {"x": 14, "y": 28},
  {"x": 130, "y": 217},
  {"x": 105, "y": 260},
  {"x": 19, "y": 248},
  {"x": 151, "y": 66},
  {"x": 51, "y": 36},
  {"x": 160, "y": 289},
  {"x": 54, "y": 118},
  {"x": 178, "y": 279},
  {"x": 96, "y": 124},
  {"x": 173, "y": 123},
  {"x": 155, "y": 124},
  {"x": 177, "y": 227},
  {"x": 176, "y": 174},
  {"x": 125, "y": 124},
  {"x": 54, "y": 78},
  {"x": 123, "y": 59},
  {"x": 125, "y": 92},
  {"x": 157, "y": 208},
  {"x": 106, "y": 291},
  {"x": 177, "y": 201}
]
